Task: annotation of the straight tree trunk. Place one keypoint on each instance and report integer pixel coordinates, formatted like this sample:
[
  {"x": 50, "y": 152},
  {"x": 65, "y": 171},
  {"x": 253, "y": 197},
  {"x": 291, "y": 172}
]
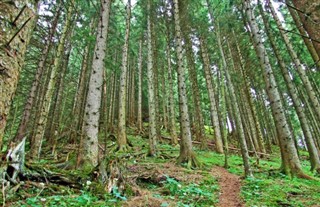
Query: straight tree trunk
[
  {"x": 151, "y": 88},
  {"x": 298, "y": 105},
  {"x": 301, "y": 71},
  {"x": 210, "y": 87},
  {"x": 290, "y": 160},
  {"x": 239, "y": 123},
  {"x": 89, "y": 151},
  {"x": 16, "y": 27},
  {"x": 139, "y": 115},
  {"x": 57, "y": 107},
  {"x": 223, "y": 118},
  {"x": 43, "y": 116},
  {"x": 80, "y": 97},
  {"x": 171, "y": 102},
  {"x": 186, "y": 152},
  {"x": 113, "y": 98},
  {"x": 22, "y": 130},
  {"x": 257, "y": 126},
  {"x": 122, "y": 134},
  {"x": 132, "y": 95},
  {"x": 198, "y": 123}
]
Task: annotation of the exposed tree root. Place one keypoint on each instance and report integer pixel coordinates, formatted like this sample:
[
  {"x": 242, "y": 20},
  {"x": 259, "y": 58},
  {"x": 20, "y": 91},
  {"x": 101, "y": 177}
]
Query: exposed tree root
[
  {"x": 191, "y": 161},
  {"x": 123, "y": 148},
  {"x": 305, "y": 176}
]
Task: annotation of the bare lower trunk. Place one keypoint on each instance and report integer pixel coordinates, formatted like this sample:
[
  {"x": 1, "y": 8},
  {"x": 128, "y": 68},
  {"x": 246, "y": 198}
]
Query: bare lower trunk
[
  {"x": 151, "y": 90},
  {"x": 298, "y": 105},
  {"x": 290, "y": 161},
  {"x": 239, "y": 122},
  {"x": 139, "y": 117},
  {"x": 172, "y": 113},
  {"x": 210, "y": 87},
  {"x": 186, "y": 152},
  {"x": 43, "y": 116},
  {"x": 88, "y": 153},
  {"x": 122, "y": 134},
  {"x": 198, "y": 122}
]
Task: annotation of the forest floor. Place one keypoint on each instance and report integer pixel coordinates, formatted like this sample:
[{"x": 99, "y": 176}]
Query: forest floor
[
  {"x": 230, "y": 187},
  {"x": 159, "y": 182}
]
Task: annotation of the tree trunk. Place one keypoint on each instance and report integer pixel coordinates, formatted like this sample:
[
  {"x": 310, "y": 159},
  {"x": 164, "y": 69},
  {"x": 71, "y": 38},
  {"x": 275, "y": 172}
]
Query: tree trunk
[
  {"x": 309, "y": 13},
  {"x": 252, "y": 106},
  {"x": 151, "y": 89},
  {"x": 113, "y": 98},
  {"x": 88, "y": 153},
  {"x": 305, "y": 37},
  {"x": 164, "y": 98},
  {"x": 298, "y": 105},
  {"x": 198, "y": 122},
  {"x": 22, "y": 130},
  {"x": 43, "y": 116},
  {"x": 171, "y": 102},
  {"x": 80, "y": 97},
  {"x": 16, "y": 27},
  {"x": 210, "y": 87},
  {"x": 186, "y": 152},
  {"x": 301, "y": 71},
  {"x": 290, "y": 160},
  {"x": 239, "y": 123},
  {"x": 57, "y": 107},
  {"x": 139, "y": 116},
  {"x": 122, "y": 134}
]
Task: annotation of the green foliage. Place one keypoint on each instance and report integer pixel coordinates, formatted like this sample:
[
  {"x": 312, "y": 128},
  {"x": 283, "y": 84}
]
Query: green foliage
[
  {"x": 279, "y": 190},
  {"x": 192, "y": 194},
  {"x": 84, "y": 199}
]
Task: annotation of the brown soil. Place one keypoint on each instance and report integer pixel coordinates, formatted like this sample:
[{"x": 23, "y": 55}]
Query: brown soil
[{"x": 229, "y": 188}]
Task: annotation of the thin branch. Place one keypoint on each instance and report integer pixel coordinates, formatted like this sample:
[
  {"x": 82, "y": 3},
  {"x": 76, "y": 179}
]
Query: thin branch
[
  {"x": 304, "y": 36},
  {"x": 24, "y": 24}
]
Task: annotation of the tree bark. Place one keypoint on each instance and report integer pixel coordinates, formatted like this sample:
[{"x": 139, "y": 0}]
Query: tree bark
[
  {"x": 171, "y": 102},
  {"x": 210, "y": 87},
  {"x": 43, "y": 114},
  {"x": 16, "y": 26},
  {"x": 305, "y": 37},
  {"x": 186, "y": 152},
  {"x": 139, "y": 115},
  {"x": 309, "y": 13},
  {"x": 122, "y": 134},
  {"x": 88, "y": 153},
  {"x": 151, "y": 89},
  {"x": 290, "y": 160},
  {"x": 239, "y": 123},
  {"x": 22, "y": 130},
  {"x": 198, "y": 122},
  {"x": 298, "y": 105},
  {"x": 298, "y": 65}
]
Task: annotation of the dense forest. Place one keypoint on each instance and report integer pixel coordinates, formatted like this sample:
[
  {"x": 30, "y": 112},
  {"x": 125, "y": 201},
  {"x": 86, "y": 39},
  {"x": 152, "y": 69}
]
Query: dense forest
[{"x": 160, "y": 103}]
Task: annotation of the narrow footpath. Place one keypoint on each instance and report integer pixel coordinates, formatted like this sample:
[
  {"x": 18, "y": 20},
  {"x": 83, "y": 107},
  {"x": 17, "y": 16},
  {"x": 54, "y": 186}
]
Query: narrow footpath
[{"x": 229, "y": 188}]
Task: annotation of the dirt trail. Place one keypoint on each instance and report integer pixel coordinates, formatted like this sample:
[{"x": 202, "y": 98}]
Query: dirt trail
[{"x": 229, "y": 188}]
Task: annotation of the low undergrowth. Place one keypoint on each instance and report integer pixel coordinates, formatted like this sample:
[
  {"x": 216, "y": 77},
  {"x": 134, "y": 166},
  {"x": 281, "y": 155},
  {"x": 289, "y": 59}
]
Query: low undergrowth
[{"x": 158, "y": 181}]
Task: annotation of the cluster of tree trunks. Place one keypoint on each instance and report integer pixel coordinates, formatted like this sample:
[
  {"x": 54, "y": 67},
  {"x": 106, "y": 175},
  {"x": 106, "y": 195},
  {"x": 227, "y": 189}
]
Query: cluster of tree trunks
[{"x": 189, "y": 61}]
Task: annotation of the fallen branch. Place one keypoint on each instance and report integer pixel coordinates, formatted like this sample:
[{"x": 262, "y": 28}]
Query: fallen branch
[{"x": 210, "y": 144}]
